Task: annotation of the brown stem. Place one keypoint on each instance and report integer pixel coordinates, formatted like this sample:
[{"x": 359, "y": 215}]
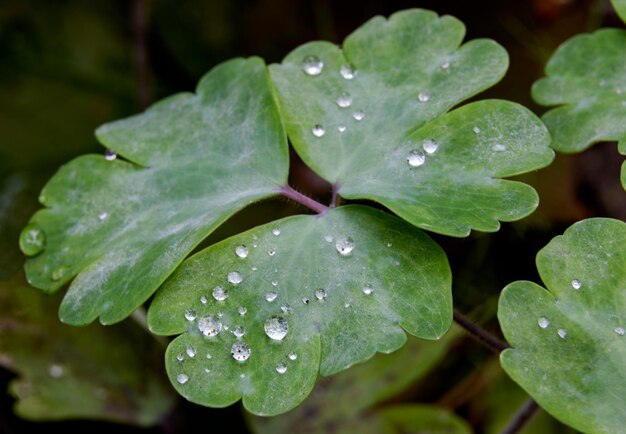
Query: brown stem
[
  {"x": 522, "y": 417},
  {"x": 483, "y": 336}
]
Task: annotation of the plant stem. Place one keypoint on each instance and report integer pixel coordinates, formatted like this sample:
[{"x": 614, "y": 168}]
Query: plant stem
[
  {"x": 295, "y": 195},
  {"x": 140, "y": 317},
  {"x": 522, "y": 417},
  {"x": 335, "y": 199},
  {"x": 483, "y": 336}
]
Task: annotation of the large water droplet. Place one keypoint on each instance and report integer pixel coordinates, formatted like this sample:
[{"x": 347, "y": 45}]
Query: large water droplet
[
  {"x": 312, "y": 65},
  {"x": 430, "y": 146},
  {"x": 32, "y": 240},
  {"x": 344, "y": 100},
  {"x": 320, "y": 294},
  {"x": 276, "y": 328},
  {"x": 358, "y": 115},
  {"x": 344, "y": 245},
  {"x": 543, "y": 322},
  {"x": 281, "y": 368},
  {"x": 347, "y": 72},
  {"x": 576, "y": 284},
  {"x": 190, "y": 350},
  {"x": 182, "y": 378},
  {"x": 415, "y": 158},
  {"x": 367, "y": 290},
  {"x": 190, "y": 314},
  {"x": 620, "y": 331},
  {"x": 241, "y": 251},
  {"x": 271, "y": 296},
  {"x": 219, "y": 293},
  {"x": 562, "y": 333},
  {"x": 318, "y": 130},
  {"x": 292, "y": 356},
  {"x": 110, "y": 155},
  {"x": 238, "y": 331},
  {"x": 210, "y": 326},
  {"x": 240, "y": 351},
  {"x": 234, "y": 277},
  {"x": 423, "y": 96}
]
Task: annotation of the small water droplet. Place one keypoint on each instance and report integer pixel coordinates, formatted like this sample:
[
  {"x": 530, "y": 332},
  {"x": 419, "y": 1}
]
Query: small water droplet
[
  {"x": 318, "y": 130},
  {"x": 344, "y": 245},
  {"x": 367, "y": 290},
  {"x": 209, "y": 356},
  {"x": 328, "y": 238},
  {"x": 190, "y": 314},
  {"x": 241, "y": 251},
  {"x": 271, "y": 252},
  {"x": 254, "y": 268},
  {"x": 210, "y": 326},
  {"x": 358, "y": 115},
  {"x": 58, "y": 274},
  {"x": 312, "y": 65},
  {"x": 276, "y": 328},
  {"x": 430, "y": 146},
  {"x": 240, "y": 351},
  {"x": 576, "y": 284},
  {"x": 207, "y": 370},
  {"x": 180, "y": 357},
  {"x": 281, "y": 368},
  {"x": 389, "y": 245},
  {"x": 219, "y": 293},
  {"x": 276, "y": 231},
  {"x": 203, "y": 299},
  {"x": 341, "y": 128},
  {"x": 415, "y": 158},
  {"x": 619, "y": 330},
  {"x": 305, "y": 300},
  {"x": 234, "y": 277},
  {"x": 56, "y": 371},
  {"x": 423, "y": 96},
  {"x": 499, "y": 147},
  {"x": 347, "y": 72},
  {"x": 344, "y": 100},
  {"x": 274, "y": 283},
  {"x": 285, "y": 308},
  {"x": 242, "y": 310},
  {"x": 445, "y": 65},
  {"x": 320, "y": 294},
  {"x": 543, "y": 322},
  {"x": 32, "y": 240},
  {"x": 292, "y": 356},
  {"x": 110, "y": 155},
  {"x": 182, "y": 378},
  {"x": 562, "y": 333},
  {"x": 103, "y": 215},
  {"x": 476, "y": 130},
  {"x": 191, "y": 351},
  {"x": 271, "y": 296},
  {"x": 238, "y": 331},
  {"x": 346, "y": 305}
]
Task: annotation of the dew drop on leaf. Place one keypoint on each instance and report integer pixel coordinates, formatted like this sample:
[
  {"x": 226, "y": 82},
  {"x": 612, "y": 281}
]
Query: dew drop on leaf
[
  {"x": 276, "y": 328},
  {"x": 274, "y": 283},
  {"x": 285, "y": 308},
  {"x": 281, "y": 368},
  {"x": 358, "y": 115},
  {"x": 445, "y": 65},
  {"x": 190, "y": 314},
  {"x": 56, "y": 370},
  {"x": 476, "y": 130},
  {"x": 415, "y": 158},
  {"x": 318, "y": 130},
  {"x": 344, "y": 100},
  {"x": 242, "y": 310},
  {"x": 32, "y": 240},
  {"x": 305, "y": 300},
  {"x": 320, "y": 294},
  {"x": 180, "y": 357},
  {"x": 328, "y": 238},
  {"x": 191, "y": 351},
  {"x": 430, "y": 146},
  {"x": 182, "y": 378},
  {"x": 344, "y": 245},
  {"x": 103, "y": 215},
  {"x": 203, "y": 299},
  {"x": 619, "y": 330},
  {"x": 499, "y": 147},
  {"x": 219, "y": 293},
  {"x": 58, "y": 273},
  {"x": 241, "y": 251},
  {"x": 271, "y": 296},
  {"x": 312, "y": 65},
  {"x": 271, "y": 252},
  {"x": 292, "y": 356},
  {"x": 238, "y": 331},
  {"x": 576, "y": 284},
  {"x": 210, "y": 326},
  {"x": 543, "y": 322},
  {"x": 347, "y": 72},
  {"x": 562, "y": 333},
  {"x": 423, "y": 96},
  {"x": 341, "y": 128},
  {"x": 276, "y": 231},
  {"x": 368, "y": 290},
  {"x": 234, "y": 277},
  {"x": 110, "y": 155},
  {"x": 240, "y": 351}
]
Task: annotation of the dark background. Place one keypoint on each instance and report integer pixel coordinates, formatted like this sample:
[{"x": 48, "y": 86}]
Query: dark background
[{"x": 67, "y": 66}]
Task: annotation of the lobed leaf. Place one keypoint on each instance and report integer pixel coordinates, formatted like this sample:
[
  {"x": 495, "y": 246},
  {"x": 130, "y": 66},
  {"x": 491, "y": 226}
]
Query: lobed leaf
[
  {"x": 586, "y": 80},
  {"x": 568, "y": 342},
  {"x": 328, "y": 290},
  {"x": 121, "y": 227},
  {"x": 620, "y": 8},
  {"x": 370, "y": 117}
]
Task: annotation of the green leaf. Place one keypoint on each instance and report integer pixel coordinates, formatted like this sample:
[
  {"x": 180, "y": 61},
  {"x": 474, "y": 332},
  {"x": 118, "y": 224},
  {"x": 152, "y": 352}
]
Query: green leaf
[
  {"x": 344, "y": 286},
  {"x": 620, "y": 8},
  {"x": 122, "y": 227},
  {"x": 359, "y": 127},
  {"x": 424, "y": 419},
  {"x": 591, "y": 100},
  {"x": 569, "y": 349},
  {"x": 348, "y": 399},
  {"x": 99, "y": 373}
]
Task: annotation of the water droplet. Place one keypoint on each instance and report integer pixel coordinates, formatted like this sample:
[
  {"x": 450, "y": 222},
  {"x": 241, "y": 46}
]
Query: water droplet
[
  {"x": 320, "y": 294},
  {"x": 191, "y": 351},
  {"x": 234, "y": 277},
  {"x": 219, "y": 293},
  {"x": 430, "y": 146},
  {"x": 210, "y": 326},
  {"x": 209, "y": 356},
  {"x": 190, "y": 314},
  {"x": 344, "y": 100},
  {"x": 318, "y": 130},
  {"x": 346, "y": 305},
  {"x": 576, "y": 284},
  {"x": 281, "y": 368},
  {"x": 110, "y": 155},
  {"x": 285, "y": 308},
  {"x": 341, "y": 128},
  {"x": 276, "y": 231},
  {"x": 619, "y": 330},
  {"x": 203, "y": 299},
  {"x": 562, "y": 333},
  {"x": 58, "y": 274},
  {"x": 242, "y": 310},
  {"x": 328, "y": 238},
  {"x": 274, "y": 283},
  {"x": 56, "y": 371},
  {"x": 367, "y": 290},
  {"x": 271, "y": 252},
  {"x": 182, "y": 378},
  {"x": 241, "y": 251},
  {"x": 423, "y": 96},
  {"x": 476, "y": 130},
  {"x": 543, "y": 322},
  {"x": 180, "y": 357},
  {"x": 238, "y": 331},
  {"x": 271, "y": 296},
  {"x": 312, "y": 65},
  {"x": 344, "y": 245},
  {"x": 240, "y": 351},
  {"x": 254, "y": 268},
  {"x": 305, "y": 300},
  {"x": 347, "y": 72},
  {"x": 207, "y": 370},
  {"x": 499, "y": 147},
  {"x": 103, "y": 215},
  {"x": 32, "y": 240},
  {"x": 292, "y": 356},
  {"x": 358, "y": 115},
  {"x": 415, "y": 158},
  {"x": 445, "y": 65},
  {"x": 276, "y": 328},
  {"x": 389, "y": 245}
]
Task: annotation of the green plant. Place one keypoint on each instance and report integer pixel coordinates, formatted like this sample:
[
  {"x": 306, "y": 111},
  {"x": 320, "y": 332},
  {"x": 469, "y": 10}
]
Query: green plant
[{"x": 385, "y": 120}]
